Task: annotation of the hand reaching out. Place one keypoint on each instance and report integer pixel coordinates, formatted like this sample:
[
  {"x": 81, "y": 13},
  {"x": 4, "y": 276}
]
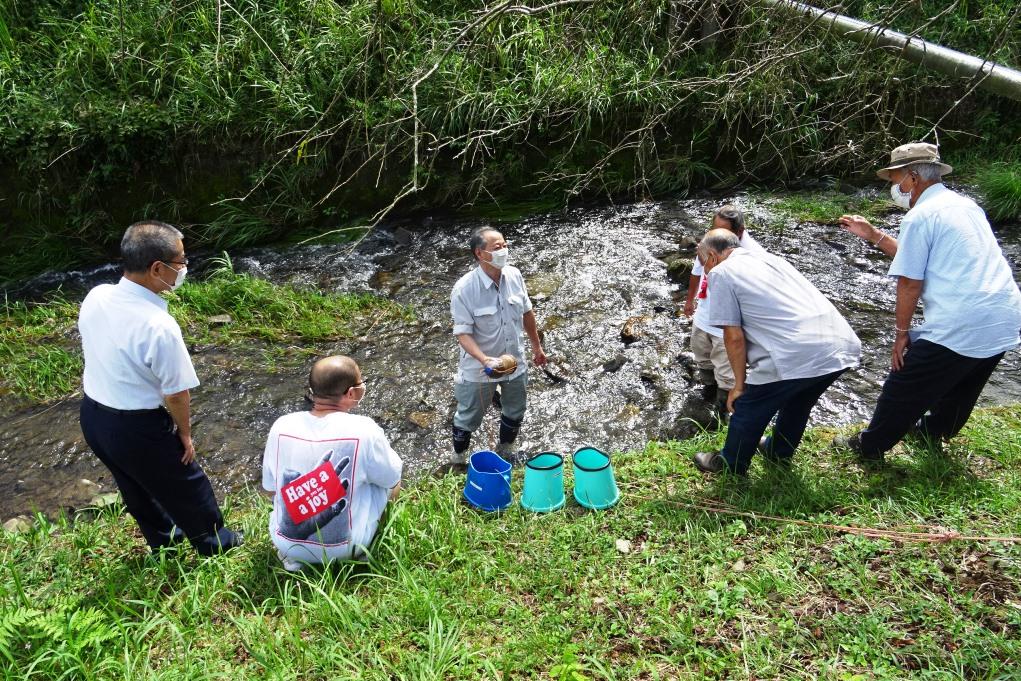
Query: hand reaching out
[{"x": 859, "y": 226}]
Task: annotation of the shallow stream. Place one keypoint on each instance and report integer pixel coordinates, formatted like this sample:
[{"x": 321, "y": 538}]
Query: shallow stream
[{"x": 590, "y": 272}]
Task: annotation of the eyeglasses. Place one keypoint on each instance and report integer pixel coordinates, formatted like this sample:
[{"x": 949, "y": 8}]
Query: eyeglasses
[
  {"x": 175, "y": 262},
  {"x": 359, "y": 385}
]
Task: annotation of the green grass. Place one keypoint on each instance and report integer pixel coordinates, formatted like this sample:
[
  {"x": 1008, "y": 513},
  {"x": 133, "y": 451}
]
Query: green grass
[
  {"x": 827, "y": 207},
  {"x": 1000, "y": 185},
  {"x": 38, "y": 357},
  {"x": 40, "y": 351},
  {"x": 457, "y": 594},
  {"x": 260, "y": 309}
]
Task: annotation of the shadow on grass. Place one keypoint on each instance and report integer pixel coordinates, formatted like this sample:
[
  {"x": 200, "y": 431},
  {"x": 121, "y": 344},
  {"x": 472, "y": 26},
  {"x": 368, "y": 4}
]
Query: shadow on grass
[{"x": 915, "y": 483}]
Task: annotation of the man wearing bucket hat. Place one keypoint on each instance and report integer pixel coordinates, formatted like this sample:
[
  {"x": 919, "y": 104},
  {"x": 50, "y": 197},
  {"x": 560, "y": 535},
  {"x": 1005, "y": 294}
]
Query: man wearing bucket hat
[
  {"x": 786, "y": 343},
  {"x": 948, "y": 257},
  {"x": 491, "y": 308}
]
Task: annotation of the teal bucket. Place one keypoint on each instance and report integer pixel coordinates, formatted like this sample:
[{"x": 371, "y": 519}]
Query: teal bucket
[
  {"x": 594, "y": 485},
  {"x": 544, "y": 483},
  {"x": 488, "y": 483}
]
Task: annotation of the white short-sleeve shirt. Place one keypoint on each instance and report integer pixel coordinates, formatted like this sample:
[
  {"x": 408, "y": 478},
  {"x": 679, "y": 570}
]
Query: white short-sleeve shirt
[
  {"x": 701, "y": 318},
  {"x": 134, "y": 352},
  {"x": 312, "y": 465},
  {"x": 970, "y": 300},
  {"x": 493, "y": 315},
  {"x": 791, "y": 330}
]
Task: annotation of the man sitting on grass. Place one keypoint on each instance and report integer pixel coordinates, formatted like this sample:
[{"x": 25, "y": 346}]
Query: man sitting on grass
[{"x": 331, "y": 472}]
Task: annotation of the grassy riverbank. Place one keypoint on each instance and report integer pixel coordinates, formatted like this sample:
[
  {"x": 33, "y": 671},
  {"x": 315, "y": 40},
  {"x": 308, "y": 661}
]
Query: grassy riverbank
[
  {"x": 40, "y": 351},
  {"x": 454, "y": 593},
  {"x": 249, "y": 121}
]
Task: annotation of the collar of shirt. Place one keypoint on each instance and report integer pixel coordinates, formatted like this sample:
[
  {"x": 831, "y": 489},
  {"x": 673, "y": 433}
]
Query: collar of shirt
[
  {"x": 137, "y": 290},
  {"x": 930, "y": 193},
  {"x": 487, "y": 281}
]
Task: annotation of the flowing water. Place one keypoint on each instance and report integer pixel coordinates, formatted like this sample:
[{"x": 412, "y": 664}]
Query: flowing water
[{"x": 591, "y": 272}]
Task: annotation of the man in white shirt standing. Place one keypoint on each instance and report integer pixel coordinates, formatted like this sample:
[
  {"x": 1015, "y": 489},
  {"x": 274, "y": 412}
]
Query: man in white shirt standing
[
  {"x": 331, "y": 472},
  {"x": 786, "y": 344},
  {"x": 490, "y": 307},
  {"x": 707, "y": 340},
  {"x": 136, "y": 411},
  {"x": 948, "y": 257}
]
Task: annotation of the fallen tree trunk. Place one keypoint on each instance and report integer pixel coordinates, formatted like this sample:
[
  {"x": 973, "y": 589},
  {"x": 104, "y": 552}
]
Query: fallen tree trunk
[{"x": 991, "y": 76}]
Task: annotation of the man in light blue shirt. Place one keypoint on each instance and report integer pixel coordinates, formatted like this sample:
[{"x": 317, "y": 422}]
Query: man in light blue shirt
[
  {"x": 948, "y": 257},
  {"x": 707, "y": 340}
]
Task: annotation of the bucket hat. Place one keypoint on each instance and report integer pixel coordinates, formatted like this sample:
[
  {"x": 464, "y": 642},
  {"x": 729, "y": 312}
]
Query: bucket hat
[{"x": 914, "y": 152}]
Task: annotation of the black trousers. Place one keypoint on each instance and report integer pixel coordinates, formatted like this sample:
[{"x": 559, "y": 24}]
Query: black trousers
[
  {"x": 933, "y": 379},
  {"x": 166, "y": 497}
]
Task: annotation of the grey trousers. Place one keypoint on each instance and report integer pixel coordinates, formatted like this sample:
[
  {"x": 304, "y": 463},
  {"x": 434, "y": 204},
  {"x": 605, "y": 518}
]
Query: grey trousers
[
  {"x": 474, "y": 398},
  {"x": 711, "y": 353}
]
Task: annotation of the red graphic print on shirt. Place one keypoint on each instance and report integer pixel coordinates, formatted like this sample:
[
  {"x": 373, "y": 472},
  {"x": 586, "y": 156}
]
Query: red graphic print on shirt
[{"x": 312, "y": 493}]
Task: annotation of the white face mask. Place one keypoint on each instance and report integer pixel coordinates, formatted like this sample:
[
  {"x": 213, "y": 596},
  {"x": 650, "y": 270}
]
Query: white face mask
[
  {"x": 178, "y": 280},
  {"x": 499, "y": 256},
  {"x": 903, "y": 200}
]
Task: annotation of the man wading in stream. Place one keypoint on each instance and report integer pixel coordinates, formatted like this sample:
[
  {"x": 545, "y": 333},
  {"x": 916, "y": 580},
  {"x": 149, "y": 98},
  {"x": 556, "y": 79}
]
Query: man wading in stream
[
  {"x": 490, "y": 307},
  {"x": 786, "y": 344},
  {"x": 707, "y": 340},
  {"x": 947, "y": 256},
  {"x": 136, "y": 412}
]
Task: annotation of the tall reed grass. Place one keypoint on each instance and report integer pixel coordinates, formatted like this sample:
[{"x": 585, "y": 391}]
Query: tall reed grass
[
  {"x": 1000, "y": 185},
  {"x": 304, "y": 109}
]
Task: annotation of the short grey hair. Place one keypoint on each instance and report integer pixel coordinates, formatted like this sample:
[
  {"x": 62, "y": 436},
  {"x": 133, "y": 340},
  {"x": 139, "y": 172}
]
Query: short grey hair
[
  {"x": 930, "y": 172},
  {"x": 478, "y": 238},
  {"x": 146, "y": 242},
  {"x": 718, "y": 241},
  {"x": 733, "y": 215}
]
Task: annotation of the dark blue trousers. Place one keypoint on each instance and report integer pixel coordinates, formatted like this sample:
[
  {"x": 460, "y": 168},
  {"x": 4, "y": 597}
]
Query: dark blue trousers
[
  {"x": 934, "y": 379},
  {"x": 790, "y": 401},
  {"x": 166, "y": 497}
]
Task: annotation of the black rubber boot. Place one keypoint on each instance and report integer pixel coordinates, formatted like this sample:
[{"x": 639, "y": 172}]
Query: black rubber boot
[
  {"x": 509, "y": 430},
  {"x": 708, "y": 381},
  {"x": 462, "y": 439}
]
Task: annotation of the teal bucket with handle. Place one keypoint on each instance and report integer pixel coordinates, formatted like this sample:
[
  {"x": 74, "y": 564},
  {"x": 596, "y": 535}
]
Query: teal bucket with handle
[
  {"x": 488, "y": 483},
  {"x": 544, "y": 483},
  {"x": 594, "y": 484}
]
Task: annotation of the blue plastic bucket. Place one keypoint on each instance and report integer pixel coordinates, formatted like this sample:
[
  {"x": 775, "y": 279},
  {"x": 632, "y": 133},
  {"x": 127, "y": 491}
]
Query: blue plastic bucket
[
  {"x": 488, "y": 484},
  {"x": 544, "y": 483},
  {"x": 594, "y": 485}
]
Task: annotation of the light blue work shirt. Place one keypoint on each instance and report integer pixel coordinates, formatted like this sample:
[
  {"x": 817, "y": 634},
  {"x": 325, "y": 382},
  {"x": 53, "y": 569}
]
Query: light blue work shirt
[
  {"x": 494, "y": 316},
  {"x": 971, "y": 303}
]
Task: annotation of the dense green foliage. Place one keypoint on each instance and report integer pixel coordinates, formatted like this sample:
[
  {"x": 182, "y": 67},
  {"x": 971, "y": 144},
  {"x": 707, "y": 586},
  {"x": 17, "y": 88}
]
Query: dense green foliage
[
  {"x": 111, "y": 110},
  {"x": 457, "y": 594},
  {"x": 40, "y": 353}
]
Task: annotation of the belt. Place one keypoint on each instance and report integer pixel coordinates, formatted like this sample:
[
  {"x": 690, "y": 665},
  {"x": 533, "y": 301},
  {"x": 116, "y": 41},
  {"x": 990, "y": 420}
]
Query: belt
[{"x": 123, "y": 412}]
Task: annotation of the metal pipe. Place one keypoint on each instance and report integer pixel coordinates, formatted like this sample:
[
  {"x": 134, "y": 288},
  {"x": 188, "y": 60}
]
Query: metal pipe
[{"x": 993, "y": 77}]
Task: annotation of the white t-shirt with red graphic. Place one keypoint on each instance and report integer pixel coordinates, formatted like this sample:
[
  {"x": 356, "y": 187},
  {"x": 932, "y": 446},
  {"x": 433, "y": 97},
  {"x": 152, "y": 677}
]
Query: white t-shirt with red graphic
[{"x": 331, "y": 477}]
